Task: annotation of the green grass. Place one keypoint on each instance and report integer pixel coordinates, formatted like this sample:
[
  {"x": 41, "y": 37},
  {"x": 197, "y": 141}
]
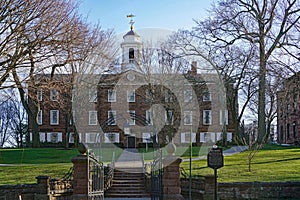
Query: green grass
[
  {"x": 26, "y": 164},
  {"x": 273, "y": 163}
]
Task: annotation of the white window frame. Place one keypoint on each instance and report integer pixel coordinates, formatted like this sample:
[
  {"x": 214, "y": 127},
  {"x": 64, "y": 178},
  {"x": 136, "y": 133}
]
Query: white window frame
[
  {"x": 40, "y": 94},
  {"x": 130, "y": 95},
  {"x": 188, "y": 117},
  {"x": 147, "y": 138},
  {"x": 111, "y": 137},
  {"x": 112, "y": 113},
  {"x": 169, "y": 113},
  {"x": 93, "y": 95},
  {"x": 185, "y": 137},
  {"x": 206, "y": 95},
  {"x": 209, "y": 115},
  {"x": 168, "y": 96},
  {"x": 188, "y": 96},
  {"x": 40, "y": 117},
  {"x": 148, "y": 117},
  {"x": 93, "y": 117},
  {"x": 52, "y": 115},
  {"x": 221, "y": 117},
  {"x": 90, "y": 137},
  {"x": 131, "y": 113},
  {"x": 42, "y": 137},
  {"x": 54, "y": 95},
  {"x": 54, "y": 137},
  {"x": 111, "y": 95}
]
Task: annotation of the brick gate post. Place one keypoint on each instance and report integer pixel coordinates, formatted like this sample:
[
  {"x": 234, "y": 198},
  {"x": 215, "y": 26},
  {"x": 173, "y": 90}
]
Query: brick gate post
[
  {"x": 80, "y": 177},
  {"x": 171, "y": 175}
]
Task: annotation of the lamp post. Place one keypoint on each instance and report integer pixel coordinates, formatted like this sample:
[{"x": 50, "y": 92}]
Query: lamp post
[{"x": 190, "y": 178}]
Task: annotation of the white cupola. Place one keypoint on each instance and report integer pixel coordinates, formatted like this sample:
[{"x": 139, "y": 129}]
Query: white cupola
[{"x": 131, "y": 48}]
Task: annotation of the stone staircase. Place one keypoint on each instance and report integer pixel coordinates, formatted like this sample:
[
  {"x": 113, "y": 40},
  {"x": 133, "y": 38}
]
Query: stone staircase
[{"x": 127, "y": 183}]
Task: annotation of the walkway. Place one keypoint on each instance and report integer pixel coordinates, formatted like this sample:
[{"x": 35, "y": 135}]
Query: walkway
[
  {"x": 130, "y": 158},
  {"x": 129, "y": 162}
]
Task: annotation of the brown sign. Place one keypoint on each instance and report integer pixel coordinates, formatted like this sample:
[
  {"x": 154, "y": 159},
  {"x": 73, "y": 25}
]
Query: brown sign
[{"x": 215, "y": 158}]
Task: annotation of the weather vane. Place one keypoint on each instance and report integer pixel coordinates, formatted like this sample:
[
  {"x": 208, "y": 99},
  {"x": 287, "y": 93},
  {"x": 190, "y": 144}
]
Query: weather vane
[{"x": 131, "y": 16}]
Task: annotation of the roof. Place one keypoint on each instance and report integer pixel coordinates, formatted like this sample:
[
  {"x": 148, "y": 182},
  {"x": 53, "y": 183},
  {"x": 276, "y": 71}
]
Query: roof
[{"x": 131, "y": 32}]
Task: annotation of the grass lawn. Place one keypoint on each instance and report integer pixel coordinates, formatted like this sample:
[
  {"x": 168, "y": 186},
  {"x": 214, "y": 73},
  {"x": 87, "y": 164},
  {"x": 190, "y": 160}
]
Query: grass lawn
[
  {"x": 28, "y": 163},
  {"x": 273, "y": 163}
]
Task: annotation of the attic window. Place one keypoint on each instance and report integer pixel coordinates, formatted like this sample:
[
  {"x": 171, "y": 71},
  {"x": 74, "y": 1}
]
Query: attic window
[{"x": 131, "y": 54}]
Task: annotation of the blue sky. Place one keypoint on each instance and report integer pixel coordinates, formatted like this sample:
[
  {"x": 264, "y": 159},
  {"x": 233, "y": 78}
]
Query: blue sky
[{"x": 166, "y": 14}]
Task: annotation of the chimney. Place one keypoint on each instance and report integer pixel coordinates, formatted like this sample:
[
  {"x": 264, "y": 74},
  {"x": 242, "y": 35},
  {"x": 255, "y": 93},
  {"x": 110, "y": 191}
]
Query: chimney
[{"x": 194, "y": 68}]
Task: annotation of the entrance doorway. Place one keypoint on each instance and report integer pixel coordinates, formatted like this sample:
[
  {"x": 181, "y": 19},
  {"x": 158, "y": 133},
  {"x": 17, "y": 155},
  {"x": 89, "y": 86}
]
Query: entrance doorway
[{"x": 130, "y": 142}]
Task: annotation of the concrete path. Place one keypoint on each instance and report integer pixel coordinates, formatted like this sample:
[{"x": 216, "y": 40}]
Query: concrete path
[
  {"x": 127, "y": 198},
  {"x": 130, "y": 158}
]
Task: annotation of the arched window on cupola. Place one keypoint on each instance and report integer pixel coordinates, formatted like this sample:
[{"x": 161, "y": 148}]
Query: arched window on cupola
[{"x": 131, "y": 55}]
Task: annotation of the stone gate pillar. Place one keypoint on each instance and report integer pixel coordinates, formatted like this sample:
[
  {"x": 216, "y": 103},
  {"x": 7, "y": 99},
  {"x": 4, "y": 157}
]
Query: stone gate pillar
[
  {"x": 171, "y": 175},
  {"x": 80, "y": 177}
]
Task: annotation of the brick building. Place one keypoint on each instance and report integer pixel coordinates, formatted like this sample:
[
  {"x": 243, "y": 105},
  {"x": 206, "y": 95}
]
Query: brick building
[
  {"x": 288, "y": 111},
  {"x": 132, "y": 107}
]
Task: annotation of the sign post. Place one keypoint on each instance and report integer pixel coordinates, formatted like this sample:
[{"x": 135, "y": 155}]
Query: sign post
[{"x": 215, "y": 160}]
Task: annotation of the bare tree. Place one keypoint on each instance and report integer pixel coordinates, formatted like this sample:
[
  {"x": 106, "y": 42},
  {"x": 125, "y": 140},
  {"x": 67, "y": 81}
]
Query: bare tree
[
  {"x": 266, "y": 25},
  {"x": 45, "y": 37}
]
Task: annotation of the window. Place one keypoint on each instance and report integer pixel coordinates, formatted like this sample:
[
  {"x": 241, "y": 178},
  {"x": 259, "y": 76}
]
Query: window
[
  {"x": 132, "y": 117},
  {"x": 131, "y": 54},
  {"x": 169, "y": 117},
  {"x": 148, "y": 117},
  {"x": 40, "y": 95},
  {"x": 111, "y": 96},
  {"x": 207, "y": 137},
  {"x": 294, "y": 130},
  {"x": 221, "y": 117},
  {"x": 72, "y": 118},
  {"x": 206, "y": 96},
  {"x": 42, "y": 137},
  {"x": 188, "y": 118},
  {"x": 54, "y": 95},
  {"x": 93, "y": 118},
  {"x": 93, "y": 95},
  {"x": 131, "y": 96},
  {"x": 188, "y": 96},
  {"x": 111, "y": 138},
  {"x": 54, "y": 137},
  {"x": 54, "y": 117},
  {"x": 111, "y": 117},
  {"x": 229, "y": 137},
  {"x": 91, "y": 137},
  {"x": 40, "y": 117},
  {"x": 288, "y": 130},
  {"x": 149, "y": 94},
  {"x": 186, "y": 137},
  {"x": 147, "y": 138},
  {"x": 168, "y": 96},
  {"x": 207, "y": 119}
]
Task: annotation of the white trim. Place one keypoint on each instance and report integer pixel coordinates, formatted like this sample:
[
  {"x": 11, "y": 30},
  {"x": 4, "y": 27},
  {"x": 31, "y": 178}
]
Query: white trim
[
  {"x": 130, "y": 95},
  {"x": 205, "y": 112},
  {"x": 54, "y": 113},
  {"x": 111, "y": 95},
  {"x": 93, "y": 118},
  {"x": 40, "y": 117}
]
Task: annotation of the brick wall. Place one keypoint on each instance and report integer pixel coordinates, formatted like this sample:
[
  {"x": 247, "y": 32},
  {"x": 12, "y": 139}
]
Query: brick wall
[{"x": 203, "y": 188}]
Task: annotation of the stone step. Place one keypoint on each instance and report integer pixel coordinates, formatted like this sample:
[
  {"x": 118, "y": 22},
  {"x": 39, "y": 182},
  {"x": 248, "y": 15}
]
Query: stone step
[{"x": 116, "y": 195}]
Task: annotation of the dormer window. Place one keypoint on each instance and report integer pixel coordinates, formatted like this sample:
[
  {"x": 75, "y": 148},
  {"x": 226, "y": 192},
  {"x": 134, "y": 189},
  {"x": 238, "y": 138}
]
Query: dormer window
[{"x": 131, "y": 55}]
